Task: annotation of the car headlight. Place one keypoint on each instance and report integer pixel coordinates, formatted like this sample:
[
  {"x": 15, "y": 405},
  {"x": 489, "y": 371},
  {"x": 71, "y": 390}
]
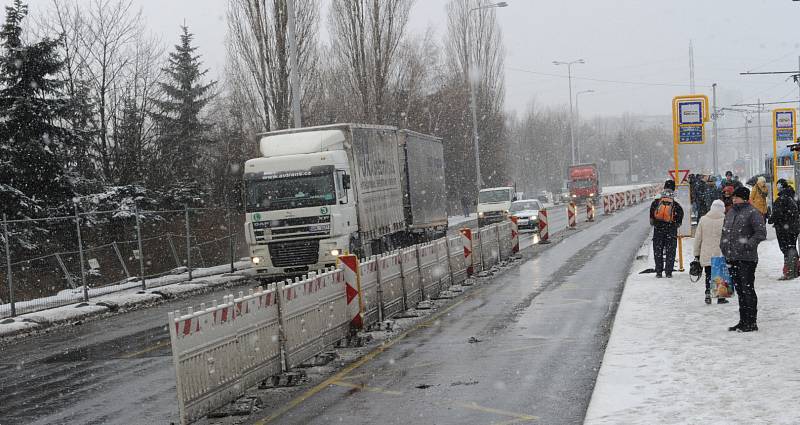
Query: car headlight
[
  {"x": 335, "y": 252},
  {"x": 481, "y": 214},
  {"x": 591, "y": 194},
  {"x": 255, "y": 260},
  {"x": 505, "y": 212},
  {"x": 574, "y": 195}
]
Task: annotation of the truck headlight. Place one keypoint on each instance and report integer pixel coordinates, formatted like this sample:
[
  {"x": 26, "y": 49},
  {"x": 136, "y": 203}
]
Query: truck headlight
[
  {"x": 481, "y": 214},
  {"x": 574, "y": 195},
  {"x": 591, "y": 194},
  {"x": 335, "y": 252},
  {"x": 255, "y": 260}
]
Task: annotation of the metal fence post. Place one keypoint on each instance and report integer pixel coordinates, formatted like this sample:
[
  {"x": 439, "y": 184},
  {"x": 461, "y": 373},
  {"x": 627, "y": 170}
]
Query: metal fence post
[
  {"x": 10, "y": 278},
  {"x": 173, "y": 250},
  {"x": 121, "y": 260},
  {"x": 188, "y": 243},
  {"x": 230, "y": 236},
  {"x": 80, "y": 254},
  {"x": 141, "y": 252}
]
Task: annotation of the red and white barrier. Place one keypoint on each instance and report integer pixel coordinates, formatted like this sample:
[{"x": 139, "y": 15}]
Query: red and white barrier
[
  {"x": 590, "y": 212},
  {"x": 572, "y": 221},
  {"x": 544, "y": 232},
  {"x": 514, "y": 236},
  {"x": 355, "y": 303},
  {"x": 466, "y": 240},
  {"x": 606, "y": 204}
]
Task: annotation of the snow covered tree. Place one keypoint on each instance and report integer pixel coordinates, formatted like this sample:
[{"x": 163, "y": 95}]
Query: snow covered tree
[
  {"x": 33, "y": 179},
  {"x": 182, "y": 133}
]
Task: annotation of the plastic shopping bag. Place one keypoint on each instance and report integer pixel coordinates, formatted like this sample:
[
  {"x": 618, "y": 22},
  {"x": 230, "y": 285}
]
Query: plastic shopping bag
[{"x": 721, "y": 282}]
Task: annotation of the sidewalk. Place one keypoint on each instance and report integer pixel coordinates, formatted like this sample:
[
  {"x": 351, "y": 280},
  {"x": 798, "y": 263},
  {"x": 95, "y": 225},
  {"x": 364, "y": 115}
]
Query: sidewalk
[{"x": 671, "y": 359}]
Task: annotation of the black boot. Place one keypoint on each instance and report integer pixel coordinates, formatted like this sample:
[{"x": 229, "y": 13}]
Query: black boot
[
  {"x": 722, "y": 301},
  {"x": 750, "y": 327},
  {"x": 708, "y": 297},
  {"x": 736, "y": 327}
]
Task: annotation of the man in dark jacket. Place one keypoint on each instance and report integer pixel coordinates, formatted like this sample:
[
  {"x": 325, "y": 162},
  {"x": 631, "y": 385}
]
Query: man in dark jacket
[
  {"x": 784, "y": 218},
  {"x": 742, "y": 231},
  {"x": 665, "y": 229}
]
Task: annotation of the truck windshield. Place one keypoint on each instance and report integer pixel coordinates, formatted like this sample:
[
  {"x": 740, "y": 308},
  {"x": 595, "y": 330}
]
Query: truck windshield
[
  {"x": 491, "y": 196},
  {"x": 582, "y": 184},
  {"x": 291, "y": 192}
]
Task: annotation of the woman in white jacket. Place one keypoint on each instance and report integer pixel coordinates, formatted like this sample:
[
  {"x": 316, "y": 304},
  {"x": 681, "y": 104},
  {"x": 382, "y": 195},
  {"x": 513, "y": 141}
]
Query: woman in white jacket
[{"x": 706, "y": 242}]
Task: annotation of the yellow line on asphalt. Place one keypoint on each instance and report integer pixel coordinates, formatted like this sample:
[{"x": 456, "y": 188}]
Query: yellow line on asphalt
[
  {"x": 363, "y": 360},
  {"x": 517, "y": 416},
  {"x": 365, "y": 387},
  {"x": 161, "y": 344}
]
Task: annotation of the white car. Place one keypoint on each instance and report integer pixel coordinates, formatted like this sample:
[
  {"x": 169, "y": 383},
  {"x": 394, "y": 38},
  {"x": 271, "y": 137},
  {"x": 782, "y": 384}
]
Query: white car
[{"x": 527, "y": 213}]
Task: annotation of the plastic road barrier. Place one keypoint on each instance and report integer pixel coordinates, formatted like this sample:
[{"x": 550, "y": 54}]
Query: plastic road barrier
[
  {"x": 544, "y": 233},
  {"x": 571, "y": 215},
  {"x": 355, "y": 303},
  {"x": 514, "y": 236},
  {"x": 466, "y": 241}
]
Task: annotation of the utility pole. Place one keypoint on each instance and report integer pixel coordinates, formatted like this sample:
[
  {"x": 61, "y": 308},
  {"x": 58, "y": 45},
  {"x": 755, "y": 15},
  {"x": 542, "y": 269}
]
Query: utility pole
[
  {"x": 294, "y": 77},
  {"x": 571, "y": 116},
  {"x": 760, "y": 142},
  {"x": 691, "y": 68},
  {"x": 714, "y": 117}
]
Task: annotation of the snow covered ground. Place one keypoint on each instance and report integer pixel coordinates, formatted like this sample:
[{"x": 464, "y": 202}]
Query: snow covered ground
[{"x": 671, "y": 359}]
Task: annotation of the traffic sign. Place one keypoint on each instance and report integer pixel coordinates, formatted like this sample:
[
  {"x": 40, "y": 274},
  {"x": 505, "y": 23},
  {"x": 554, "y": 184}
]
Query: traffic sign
[
  {"x": 684, "y": 175},
  {"x": 689, "y": 114},
  {"x": 784, "y": 129}
]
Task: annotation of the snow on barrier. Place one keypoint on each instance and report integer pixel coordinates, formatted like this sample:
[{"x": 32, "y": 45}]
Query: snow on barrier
[
  {"x": 427, "y": 270},
  {"x": 443, "y": 264},
  {"x": 370, "y": 291},
  {"x": 390, "y": 278},
  {"x": 458, "y": 263},
  {"x": 409, "y": 267},
  {"x": 221, "y": 351}
]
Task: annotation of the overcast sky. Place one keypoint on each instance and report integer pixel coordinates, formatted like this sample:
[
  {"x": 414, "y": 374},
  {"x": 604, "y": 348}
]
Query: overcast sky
[{"x": 643, "y": 45}]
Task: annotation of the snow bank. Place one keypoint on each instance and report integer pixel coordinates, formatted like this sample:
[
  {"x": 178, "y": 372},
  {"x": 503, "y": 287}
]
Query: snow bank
[{"x": 671, "y": 359}]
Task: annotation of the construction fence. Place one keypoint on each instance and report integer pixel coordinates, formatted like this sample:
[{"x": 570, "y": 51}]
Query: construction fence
[
  {"x": 221, "y": 350},
  {"x": 58, "y": 261}
]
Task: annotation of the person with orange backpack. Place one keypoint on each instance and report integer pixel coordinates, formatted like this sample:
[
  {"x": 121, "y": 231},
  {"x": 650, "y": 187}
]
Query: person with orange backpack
[{"x": 666, "y": 215}]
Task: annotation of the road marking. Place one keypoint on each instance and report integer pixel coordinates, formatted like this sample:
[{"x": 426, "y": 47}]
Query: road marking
[
  {"x": 365, "y": 387},
  {"x": 365, "y": 359},
  {"x": 161, "y": 344},
  {"x": 518, "y": 417}
]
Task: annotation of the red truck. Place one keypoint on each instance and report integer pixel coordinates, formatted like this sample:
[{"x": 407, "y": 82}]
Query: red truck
[{"x": 584, "y": 182}]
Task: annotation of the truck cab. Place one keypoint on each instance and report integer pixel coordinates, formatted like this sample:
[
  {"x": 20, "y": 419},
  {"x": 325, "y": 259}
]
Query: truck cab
[
  {"x": 584, "y": 183},
  {"x": 494, "y": 204},
  {"x": 300, "y": 207}
]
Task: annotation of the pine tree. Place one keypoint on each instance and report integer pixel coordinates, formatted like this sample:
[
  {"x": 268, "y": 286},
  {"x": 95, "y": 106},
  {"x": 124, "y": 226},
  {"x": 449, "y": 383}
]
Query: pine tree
[
  {"x": 182, "y": 133},
  {"x": 33, "y": 179}
]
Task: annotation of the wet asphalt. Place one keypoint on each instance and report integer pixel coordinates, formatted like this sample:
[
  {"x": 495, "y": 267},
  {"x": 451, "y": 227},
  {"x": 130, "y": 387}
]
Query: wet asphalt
[
  {"x": 119, "y": 369},
  {"x": 524, "y": 349}
]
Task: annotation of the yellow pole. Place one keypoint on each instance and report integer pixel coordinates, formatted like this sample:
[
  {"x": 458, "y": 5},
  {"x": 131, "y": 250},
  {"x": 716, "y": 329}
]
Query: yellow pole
[{"x": 675, "y": 138}]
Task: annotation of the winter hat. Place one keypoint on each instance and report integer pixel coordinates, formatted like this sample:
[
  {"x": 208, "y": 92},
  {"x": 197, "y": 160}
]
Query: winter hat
[
  {"x": 782, "y": 183},
  {"x": 718, "y": 206},
  {"x": 669, "y": 185},
  {"x": 742, "y": 192}
]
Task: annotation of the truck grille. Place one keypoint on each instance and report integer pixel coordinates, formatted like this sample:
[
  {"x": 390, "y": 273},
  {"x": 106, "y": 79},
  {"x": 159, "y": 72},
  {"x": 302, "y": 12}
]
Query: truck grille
[{"x": 294, "y": 253}]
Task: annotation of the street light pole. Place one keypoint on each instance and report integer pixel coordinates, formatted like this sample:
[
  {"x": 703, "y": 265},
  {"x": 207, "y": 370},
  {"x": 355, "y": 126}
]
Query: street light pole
[
  {"x": 294, "y": 77},
  {"x": 472, "y": 102},
  {"x": 578, "y": 119},
  {"x": 571, "y": 117},
  {"x": 714, "y": 117}
]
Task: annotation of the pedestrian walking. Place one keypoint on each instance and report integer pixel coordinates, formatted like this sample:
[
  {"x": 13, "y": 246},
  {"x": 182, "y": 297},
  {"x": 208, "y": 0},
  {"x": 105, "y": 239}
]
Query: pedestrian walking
[
  {"x": 727, "y": 198},
  {"x": 784, "y": 218},
  {"x": 758, "y": 196},
  {"x": 666, "y": 215},
  {"x": 742, "y": 231},
  {"x": 706, "y": 242},
  {"x": 465, "y": 206},
  {"x": 731, "y": 181}
]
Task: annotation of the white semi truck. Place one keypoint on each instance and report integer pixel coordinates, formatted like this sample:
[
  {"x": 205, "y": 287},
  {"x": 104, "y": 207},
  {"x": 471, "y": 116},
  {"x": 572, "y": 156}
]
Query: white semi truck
[{"x": 317, "y": 192}]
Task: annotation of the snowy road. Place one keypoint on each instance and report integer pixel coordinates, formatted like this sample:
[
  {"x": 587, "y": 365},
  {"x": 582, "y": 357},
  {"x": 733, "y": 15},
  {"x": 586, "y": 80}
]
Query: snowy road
[
  {"x": 119, "y": 369},
  {"x": 538, "y": 333}
]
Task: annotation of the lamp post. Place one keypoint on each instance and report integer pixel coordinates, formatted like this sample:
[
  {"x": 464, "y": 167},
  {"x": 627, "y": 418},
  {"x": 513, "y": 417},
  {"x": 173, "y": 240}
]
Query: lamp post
[
  {"x": 569, "y": 76},
  {"x": 473, "y": 106},
  {"x": 578, "y": 119}
]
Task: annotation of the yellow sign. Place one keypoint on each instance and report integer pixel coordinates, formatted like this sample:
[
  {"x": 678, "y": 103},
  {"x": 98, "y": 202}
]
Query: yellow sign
[
  {"x": 784, "y": 130},
  {"x": 689, "y": 115}
]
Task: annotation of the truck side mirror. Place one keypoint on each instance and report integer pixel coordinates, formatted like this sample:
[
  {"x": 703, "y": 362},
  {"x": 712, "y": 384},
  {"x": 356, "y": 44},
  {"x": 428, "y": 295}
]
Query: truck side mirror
[{"x": 346, "y": 181}]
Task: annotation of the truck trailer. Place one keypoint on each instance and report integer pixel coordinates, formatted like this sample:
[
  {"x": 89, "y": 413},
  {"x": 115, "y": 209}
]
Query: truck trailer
[{"x": 318, "y": 192}]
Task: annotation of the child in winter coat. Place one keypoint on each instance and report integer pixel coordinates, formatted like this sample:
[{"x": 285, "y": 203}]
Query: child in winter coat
[
  {"x": 758, "y": 196},
  {"x": 706, "y": 242}
]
